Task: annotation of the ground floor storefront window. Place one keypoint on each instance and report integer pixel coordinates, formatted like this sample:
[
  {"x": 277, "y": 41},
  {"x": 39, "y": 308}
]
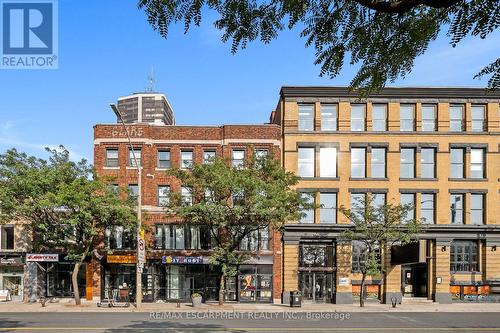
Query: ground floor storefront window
[
  {"x": 58, "y": 279},
  {"x": 255, "y": 283},
  {"x": 11, "y": 279},
  {"x": 120, "y": 277}
]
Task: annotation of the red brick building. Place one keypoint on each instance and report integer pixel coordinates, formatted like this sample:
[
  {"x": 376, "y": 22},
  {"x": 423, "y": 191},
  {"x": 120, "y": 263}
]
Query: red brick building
[{"x": 177, "y": 253}]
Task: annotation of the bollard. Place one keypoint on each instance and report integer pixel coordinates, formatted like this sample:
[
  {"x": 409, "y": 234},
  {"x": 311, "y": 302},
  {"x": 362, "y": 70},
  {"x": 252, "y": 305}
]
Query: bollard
[
  {"x": 394, "y": 301},
  {"x": 178, "y": 303}
]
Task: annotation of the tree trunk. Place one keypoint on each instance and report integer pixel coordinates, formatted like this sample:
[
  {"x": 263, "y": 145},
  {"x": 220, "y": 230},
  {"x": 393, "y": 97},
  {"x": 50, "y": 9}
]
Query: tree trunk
[
  {"x": 362, "y": 292},
  {"x": 74, "y": 281},
  {"x": 222, "y": 286}
]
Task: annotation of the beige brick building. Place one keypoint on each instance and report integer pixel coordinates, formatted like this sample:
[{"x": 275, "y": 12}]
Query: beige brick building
[{"x": 436, "y": 148}]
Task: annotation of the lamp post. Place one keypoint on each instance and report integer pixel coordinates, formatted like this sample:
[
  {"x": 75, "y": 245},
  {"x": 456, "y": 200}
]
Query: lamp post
[{"x": 138, "y": 277}]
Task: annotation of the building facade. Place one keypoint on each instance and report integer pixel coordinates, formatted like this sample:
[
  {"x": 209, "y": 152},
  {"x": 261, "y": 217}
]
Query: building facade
[
  {"x": 177, "y": 256},
  {"x": 435, "y": 148},
  {"x": 146, "y": 107}
]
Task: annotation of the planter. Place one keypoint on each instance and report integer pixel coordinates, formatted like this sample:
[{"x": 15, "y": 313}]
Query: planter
[{"x": 196, "y": 301}]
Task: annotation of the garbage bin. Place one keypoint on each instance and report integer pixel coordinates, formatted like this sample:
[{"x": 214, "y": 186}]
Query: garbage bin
[{"x": 295, "y": 299}]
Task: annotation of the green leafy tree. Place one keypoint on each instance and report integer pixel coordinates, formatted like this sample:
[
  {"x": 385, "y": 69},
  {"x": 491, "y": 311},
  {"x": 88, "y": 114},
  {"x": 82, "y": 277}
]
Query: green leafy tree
[
  {"x": 66, "y": 206},
  {"x": 376, "y": 228},
  {"x": 233, "y": 202},
  {"x": 383, "y": 37}
]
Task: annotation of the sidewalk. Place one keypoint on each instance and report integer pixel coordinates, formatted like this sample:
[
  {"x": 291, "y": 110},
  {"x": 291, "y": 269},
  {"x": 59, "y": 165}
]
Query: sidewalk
[{"x": 67, "y": 305}]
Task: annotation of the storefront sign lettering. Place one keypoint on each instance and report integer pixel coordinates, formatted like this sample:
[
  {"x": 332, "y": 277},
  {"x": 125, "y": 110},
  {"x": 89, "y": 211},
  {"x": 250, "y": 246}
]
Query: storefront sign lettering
[
  {"x": 134, "y": 132},
  {"x": 121, "y": 259},
  {"x": 42, "y": 257},
  {"x": 11, "y": 261},
  {"x": 182, "y": 260}
]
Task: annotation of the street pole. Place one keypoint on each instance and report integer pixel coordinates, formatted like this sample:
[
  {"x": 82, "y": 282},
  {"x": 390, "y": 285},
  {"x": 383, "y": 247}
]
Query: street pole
[{"x": 138, "y": 276}]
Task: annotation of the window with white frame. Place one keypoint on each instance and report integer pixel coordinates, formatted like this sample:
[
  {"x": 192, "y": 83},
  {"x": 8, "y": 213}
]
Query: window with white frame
[
  {"x": 186, "y": 159},
  {"x": 132, "y": 160},
  {"x": 328, "y": 162},
  {"x": 329, "y": 117},
  {"x": 478, "y": 118},
  {"x": 305, "y": 162},
  {"x": 379, "y": 117},
  {"x": 306, "y": 117},
  {"x": 328, "y": 207},
  {"x": 456, "y": 118},
  {"x": 378, "y": 158},
  {"x": 164, "y": 159},
  {"x": 209, "y": 156},
  {"x": 407, "y": 117},
  {"x": 186, "y": 195},
  {"x": 427, "y": 210},
  {"x": 358, "y": 117},
  {"x": 358, "y": 162},
  {"x": 407, "y": 163},
  {"x": 477, "y": 163},
  {"x": 428, "y": 118},
  {"x": 457, "y": 212},
  {"x": 238, "y": 158},
  {"x": 111, "y": 157},
  {"x": 163, "y": 195},
  {"x": 477, "y": 208},
  {"x": 457, "y": 169},
  {"x": 428, "y": 163}
]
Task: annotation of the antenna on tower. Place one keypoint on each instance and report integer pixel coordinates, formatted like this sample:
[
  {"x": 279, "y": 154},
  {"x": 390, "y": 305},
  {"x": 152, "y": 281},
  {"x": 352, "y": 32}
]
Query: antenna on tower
[{"x": 152, "y": 81}]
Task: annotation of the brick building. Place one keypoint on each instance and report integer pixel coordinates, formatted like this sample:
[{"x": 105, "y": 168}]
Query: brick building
[
  {"x": 177, "y": 254},
  {"x": 436, "y": 148}
]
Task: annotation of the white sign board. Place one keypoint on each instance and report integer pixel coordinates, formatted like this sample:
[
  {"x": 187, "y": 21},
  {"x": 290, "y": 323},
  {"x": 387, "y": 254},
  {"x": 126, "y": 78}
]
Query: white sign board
[
  {"x": 343, "y": 281},
  {"x": 40, "y": 257},
  {"x": 141, "y": 253},
  {"x": 5, "y": 295}
]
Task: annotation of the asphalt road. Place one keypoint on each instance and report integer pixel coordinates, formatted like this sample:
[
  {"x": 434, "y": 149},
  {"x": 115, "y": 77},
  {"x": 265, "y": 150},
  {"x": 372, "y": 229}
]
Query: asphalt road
[{"x": 249, "y": 322}]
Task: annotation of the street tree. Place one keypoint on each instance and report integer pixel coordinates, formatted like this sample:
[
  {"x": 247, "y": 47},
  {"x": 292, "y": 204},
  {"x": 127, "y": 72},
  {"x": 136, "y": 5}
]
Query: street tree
[
  {"x": 235, "y": 202},
  {"x": 381, "y": 37},
  {"x": 376, "y": 228},
  {"x": 65, "y": 205}
]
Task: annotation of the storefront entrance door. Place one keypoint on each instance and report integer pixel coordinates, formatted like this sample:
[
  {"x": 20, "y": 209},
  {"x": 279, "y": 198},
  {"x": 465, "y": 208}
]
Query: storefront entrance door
[
  {"x": 13, "y": 285},
  {"x": 414, "y": 280},
  {"x": 317, "y": 286}
]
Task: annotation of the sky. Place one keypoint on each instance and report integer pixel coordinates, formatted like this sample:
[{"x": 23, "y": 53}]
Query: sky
[{"x": 107, "y": 50}]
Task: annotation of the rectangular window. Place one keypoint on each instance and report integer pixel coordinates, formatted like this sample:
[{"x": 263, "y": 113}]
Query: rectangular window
[
  {"x": 238, "y": 158},
  {"x": 427, "y": 163},
  {"x": 378, "y": 169},
  {"x": 163, "y": 159},
  {"x": 464, "y": 256},
  {"x": 119, "y": 238},
  {"x": 408, "y": 201},
  {"x": 358, "y": 162},
  {"x": 182, "y": 237},
  {"x": 328, "y": 209},
  {"x": 328, "y": 162},
  {"x": 186, "y": 195},
  {"x": 7, "y": 237},
  {"x": 358, "y": 202},
  {"x": 306, "y": 117},
  {"x": 112, "y": 158},
  {"x": 261, "y": 153},
  {"x": 163, "y": 195},
  {"x": 316, "y": 255},
  {"x": 131, "y": 160},
  {"x": 306, "y": 162},
  {"x": 256, "y": 240},
  {"x": 186, "y": 159},
  {"x": 477, "y": 118},
  {"x": 358, "y": 116},
  {"x": 477, "y": 163},
  {"x": 307, "y": 214},
  {"x": 208, "y": 156},
  {"x": 477, "y": 208},
  {"x": 133, "y": 191},
  {"x": 456, "y": 118},
  {"x": 407, "y": 117},
  {"x": 428, "y": 118},
  {"x": 378, "y": 200},
  {"x": 457, "y": 163},
  {"x": 427, "y": 208},
  {"x": 329, "y": 117},
  {"x": 407, "y": 163},
  {"x": 379, "y": 117},
  {"x": 457, "y": 208}
]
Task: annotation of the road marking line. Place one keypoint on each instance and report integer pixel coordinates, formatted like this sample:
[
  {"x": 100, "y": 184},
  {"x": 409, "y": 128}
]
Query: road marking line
[{"x": 180, "y": 329}]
